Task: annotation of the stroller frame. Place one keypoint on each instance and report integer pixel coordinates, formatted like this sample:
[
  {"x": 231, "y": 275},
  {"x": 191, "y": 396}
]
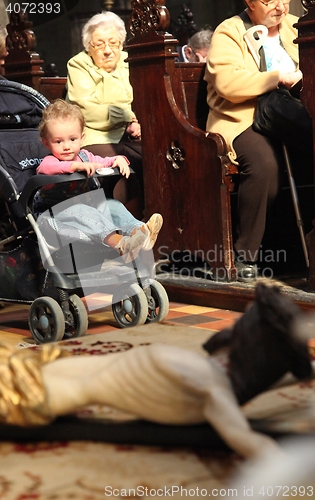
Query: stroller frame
[
  {"x": 58, "y": 312},
  {"x": 55, "y": 296}
]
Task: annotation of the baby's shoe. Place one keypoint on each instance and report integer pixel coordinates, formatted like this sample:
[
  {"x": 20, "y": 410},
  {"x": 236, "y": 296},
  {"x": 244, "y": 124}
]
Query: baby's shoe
[
  {"x": 153, "y": 226},
  {"x": 130, "y": 246},
  {"x": 142, "y": 237}
]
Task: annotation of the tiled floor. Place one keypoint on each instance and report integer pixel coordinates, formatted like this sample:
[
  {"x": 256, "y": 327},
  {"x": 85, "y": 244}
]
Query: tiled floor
[
  {"x": 201, "y": 317},
  {"x": 14, "y": 319}
]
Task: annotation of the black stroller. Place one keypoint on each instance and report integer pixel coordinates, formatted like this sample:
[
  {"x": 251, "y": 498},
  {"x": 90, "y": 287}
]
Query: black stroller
[{"x": 46, "y": 265}]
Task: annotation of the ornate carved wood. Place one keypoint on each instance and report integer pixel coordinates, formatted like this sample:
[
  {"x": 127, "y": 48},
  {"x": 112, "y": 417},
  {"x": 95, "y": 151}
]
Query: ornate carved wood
[
  {"x": 187, "y": 176},
  {"x": 23, "y": 63},
  {"x": 306, "y": 42},
  {"x": 185, "y": 26}
]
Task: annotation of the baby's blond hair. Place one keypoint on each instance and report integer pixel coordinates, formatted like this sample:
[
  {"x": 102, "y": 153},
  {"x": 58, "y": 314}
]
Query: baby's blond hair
[{"x": 60, "y": 110}]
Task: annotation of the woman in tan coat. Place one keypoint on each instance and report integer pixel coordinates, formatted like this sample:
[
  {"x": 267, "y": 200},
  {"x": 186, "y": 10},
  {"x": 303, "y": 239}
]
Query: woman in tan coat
[{"x": 234, "y": 84}]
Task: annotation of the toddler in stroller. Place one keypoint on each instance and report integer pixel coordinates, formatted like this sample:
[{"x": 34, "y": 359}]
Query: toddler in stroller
[
  {"x": 53, "y": 290},
  {"x": 61, "y": 130}
]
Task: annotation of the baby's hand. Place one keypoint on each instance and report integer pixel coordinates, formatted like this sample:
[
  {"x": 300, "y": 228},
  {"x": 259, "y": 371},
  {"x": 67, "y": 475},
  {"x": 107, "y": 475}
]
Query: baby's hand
[
  {"x": 88, "y": 167},
  {"x": 123, "y": 166}
]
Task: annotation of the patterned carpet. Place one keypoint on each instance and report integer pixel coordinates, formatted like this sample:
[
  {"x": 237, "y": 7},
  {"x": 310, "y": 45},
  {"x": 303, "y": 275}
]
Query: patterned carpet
[
  {"x": 61, "y": 466},
  {"x": 88, "y": 457}
]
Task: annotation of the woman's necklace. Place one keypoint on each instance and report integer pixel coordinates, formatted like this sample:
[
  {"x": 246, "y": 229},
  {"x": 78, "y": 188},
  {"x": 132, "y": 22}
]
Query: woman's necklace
[{"x": 276, "y": 56}]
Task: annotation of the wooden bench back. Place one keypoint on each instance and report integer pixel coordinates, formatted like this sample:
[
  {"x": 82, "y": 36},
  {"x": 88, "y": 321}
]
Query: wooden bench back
[
  {"x": 53, "y": 87},
  {"x": 194, "y": 91}
]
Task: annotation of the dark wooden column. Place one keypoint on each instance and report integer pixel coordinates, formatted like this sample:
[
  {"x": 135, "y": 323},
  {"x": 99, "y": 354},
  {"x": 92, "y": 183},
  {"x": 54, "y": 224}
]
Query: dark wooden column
[
  {"x": 23, "y": 63},
  {"x": 306, "y": 42}
]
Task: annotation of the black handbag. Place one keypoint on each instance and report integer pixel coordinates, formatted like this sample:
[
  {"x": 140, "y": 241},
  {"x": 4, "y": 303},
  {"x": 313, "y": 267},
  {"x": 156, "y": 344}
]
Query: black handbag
[{"x": 280, "y": 115}]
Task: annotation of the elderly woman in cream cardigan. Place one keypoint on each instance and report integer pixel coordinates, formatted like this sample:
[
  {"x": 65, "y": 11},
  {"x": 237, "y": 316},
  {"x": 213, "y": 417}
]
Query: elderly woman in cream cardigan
[{"x": 162, "y": 383}]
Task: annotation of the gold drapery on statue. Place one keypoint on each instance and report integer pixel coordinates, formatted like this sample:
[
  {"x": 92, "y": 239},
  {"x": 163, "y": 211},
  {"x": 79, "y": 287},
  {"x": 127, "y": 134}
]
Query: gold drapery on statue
[{"x": 23, "y": 398}]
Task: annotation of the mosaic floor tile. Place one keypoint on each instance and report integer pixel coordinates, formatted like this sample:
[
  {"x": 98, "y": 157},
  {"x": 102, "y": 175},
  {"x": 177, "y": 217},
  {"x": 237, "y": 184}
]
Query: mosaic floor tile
[{"x": 14, "y": 318}]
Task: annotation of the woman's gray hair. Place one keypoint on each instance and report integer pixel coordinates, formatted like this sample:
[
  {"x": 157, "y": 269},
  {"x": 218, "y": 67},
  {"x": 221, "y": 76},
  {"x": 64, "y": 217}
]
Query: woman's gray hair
[
  {"x": 105, "y": 20},
  {"x": 201, "y": 39},
  {"x": 3, "y": 36}
]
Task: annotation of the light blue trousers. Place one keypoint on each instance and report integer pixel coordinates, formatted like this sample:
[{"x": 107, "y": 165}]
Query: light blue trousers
[{"x": 105, "y": 217}]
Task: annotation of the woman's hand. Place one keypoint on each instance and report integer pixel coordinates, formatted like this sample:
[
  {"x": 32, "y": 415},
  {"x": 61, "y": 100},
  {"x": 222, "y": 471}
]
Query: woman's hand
[
  {"x": 289, "y": 79},
  {"x": 134, "y": 130},
  {"x": 123, "y": 166}
]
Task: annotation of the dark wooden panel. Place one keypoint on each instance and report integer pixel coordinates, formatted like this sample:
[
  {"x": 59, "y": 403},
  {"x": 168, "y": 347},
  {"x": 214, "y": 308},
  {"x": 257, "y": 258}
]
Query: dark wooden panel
[{"x": 53, "y": 87}]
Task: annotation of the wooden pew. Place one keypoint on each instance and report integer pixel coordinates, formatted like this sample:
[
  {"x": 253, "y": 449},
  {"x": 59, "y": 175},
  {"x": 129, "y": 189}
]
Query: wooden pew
[
  {"x": 306, "y": 42},
  {"x": 24, "y": 64},
  {"x": 187, "y": 175},
  {"x": 53, "y": 87}
]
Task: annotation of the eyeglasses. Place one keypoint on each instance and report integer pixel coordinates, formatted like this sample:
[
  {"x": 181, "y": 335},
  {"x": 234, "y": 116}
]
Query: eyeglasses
[
  {"x": 273, "y": 3},
  {"x": 112, "y": 44}
]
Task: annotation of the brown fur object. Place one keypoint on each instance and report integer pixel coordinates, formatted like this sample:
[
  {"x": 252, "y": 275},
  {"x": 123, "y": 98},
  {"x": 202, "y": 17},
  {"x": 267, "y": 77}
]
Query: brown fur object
[{"x": 263, "y": 345}]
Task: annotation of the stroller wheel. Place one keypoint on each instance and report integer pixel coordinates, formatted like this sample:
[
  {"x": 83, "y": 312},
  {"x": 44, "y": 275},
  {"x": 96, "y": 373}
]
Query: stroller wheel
[
  {"x": 130, "y": 306},
  {"x": 77, "y": 324},
  {"x": 158, "y": 302},
  {"x": 46, "y": 320}
]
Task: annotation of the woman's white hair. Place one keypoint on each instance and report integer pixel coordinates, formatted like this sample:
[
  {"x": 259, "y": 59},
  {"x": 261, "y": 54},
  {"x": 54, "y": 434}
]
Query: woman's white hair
[
  {"x": 105, "y": 20},
  {"x": 3, "y": 36}
]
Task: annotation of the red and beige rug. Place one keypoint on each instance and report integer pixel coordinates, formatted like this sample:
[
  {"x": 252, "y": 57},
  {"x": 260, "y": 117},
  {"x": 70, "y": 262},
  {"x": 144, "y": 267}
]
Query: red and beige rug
[{"x": 75, "y": 460}]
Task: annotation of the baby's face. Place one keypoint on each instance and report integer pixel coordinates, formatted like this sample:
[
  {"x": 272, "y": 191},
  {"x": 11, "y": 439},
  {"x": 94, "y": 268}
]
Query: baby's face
[{"x": 64, "y": 138}]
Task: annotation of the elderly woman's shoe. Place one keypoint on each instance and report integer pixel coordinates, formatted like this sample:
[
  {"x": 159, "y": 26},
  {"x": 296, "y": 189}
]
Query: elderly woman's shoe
[{"x": 247, "y": 272}]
